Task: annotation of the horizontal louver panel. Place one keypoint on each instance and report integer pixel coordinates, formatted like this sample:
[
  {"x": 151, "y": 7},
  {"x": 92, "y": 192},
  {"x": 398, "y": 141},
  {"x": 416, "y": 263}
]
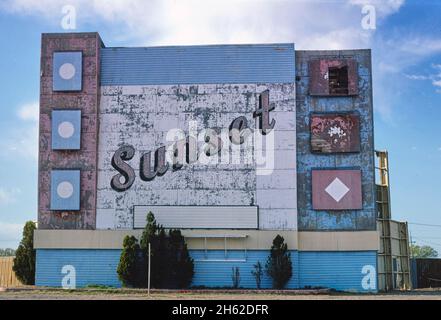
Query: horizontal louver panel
[{"x": 261, "y": 63}]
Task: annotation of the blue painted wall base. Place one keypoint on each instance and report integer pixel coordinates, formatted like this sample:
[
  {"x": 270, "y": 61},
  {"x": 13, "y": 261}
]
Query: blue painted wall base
[{"x": 337, "y": 270}]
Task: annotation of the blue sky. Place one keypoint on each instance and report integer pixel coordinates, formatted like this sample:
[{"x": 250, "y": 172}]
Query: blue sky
[{"x": 406, "y": 48}]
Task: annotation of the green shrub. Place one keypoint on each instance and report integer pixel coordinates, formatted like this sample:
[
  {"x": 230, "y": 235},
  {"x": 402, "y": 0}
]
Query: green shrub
[
  {"x": 155, "y": 235},
  {"x": 181, "y": 264},
  {"x": 127, "y": 263},
  {"x": 235, "y": 277},
  {"x": 257, "y": 273},
  {"x": 171, "y": 264},
  {"x": 278, "y": 265},
  {"x": 24, "y": 261}
]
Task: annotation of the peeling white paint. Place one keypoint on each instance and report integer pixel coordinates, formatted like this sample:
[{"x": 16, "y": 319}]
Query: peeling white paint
[{"x": 142, "y": 115}]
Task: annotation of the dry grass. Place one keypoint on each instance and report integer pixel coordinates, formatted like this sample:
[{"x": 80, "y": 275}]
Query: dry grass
[{"x": 31, "y": 293}]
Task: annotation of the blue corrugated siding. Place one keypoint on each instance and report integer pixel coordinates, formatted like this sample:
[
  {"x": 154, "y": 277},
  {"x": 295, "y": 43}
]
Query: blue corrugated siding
[
  {"x": 91, "y": 266},
  {"x": 338, "y": 270},
  {"x": 219, "y": 274},
  {"x": 259, "y": 63}
]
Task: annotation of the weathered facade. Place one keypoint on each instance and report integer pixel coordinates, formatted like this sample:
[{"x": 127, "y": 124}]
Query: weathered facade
[{"x": 233, "y": 144}]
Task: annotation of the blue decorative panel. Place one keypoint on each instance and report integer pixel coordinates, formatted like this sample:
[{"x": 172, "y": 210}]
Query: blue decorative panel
[
  {"x": 66, "y": 129},
  {"x": 258, "y": 63},
  {"x": 65, "y": 190},
  {"x": 91, "y": 267},
  {"x": 67, "y": 71},
  {"x": 340, "y": 270}
]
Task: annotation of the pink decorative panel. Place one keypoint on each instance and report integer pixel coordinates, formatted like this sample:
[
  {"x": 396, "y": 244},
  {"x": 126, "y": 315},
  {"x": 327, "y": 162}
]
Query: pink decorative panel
[
  {"x": 332, "y": 133},
  {"x": 336, "y": 189}
]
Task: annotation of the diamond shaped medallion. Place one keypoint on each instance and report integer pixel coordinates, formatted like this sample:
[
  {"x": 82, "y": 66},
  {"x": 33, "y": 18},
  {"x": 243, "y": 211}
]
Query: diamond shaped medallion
[{"x": 337, "y": 189}]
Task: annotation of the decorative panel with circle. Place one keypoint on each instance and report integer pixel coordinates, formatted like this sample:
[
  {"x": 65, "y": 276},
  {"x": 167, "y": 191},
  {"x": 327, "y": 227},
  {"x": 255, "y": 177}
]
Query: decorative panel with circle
[
  {"x": 65, "y": 190},
  {"x": 66, "y": 129},
  {"x": 67, "y": 71}
]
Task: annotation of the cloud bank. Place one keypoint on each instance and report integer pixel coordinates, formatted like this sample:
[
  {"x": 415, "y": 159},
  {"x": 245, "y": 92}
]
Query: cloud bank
[{"x": 310, "y": 24}]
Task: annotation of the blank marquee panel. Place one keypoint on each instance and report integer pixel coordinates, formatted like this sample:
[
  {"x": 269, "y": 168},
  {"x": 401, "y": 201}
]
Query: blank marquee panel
[{"x": 199, "y": 217}]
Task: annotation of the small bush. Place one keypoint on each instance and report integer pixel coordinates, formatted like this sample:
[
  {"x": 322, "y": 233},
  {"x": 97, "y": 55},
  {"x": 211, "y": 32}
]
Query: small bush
[
  {"x": 235, "y": 277},
  {"x": 181, "y": 264},
  {"x": 171, "y": 264},
  {"x": 24, "y": 261},
  {"x": 278, "y": 265},
  {"x": 153, "y": 234},
  {"x": 257, "y": 273},
  {"x": 127, "y": 262}
]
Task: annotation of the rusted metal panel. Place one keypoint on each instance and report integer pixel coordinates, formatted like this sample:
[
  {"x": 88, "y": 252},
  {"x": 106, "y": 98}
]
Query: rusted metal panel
[
  {"x": 336, "y": 189},
  {"x": 333, "y": 133},
  {"x": 318, "y": 84},
  {"x": 426, "y": 273},
  {"x": 321, "y": 76}
]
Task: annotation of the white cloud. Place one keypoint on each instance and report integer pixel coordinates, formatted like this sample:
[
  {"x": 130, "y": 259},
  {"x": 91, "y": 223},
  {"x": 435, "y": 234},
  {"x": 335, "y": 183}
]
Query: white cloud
[
  {"x": 10, "y": 234},
  {"x": 416, "y": 77},
  {"x": 419, "y": 45},
  {"x": 310, "y": 24},
  {"x": 29, "y": 111},
  {"x": 23, "y": 140},
  {"x": 435, "y": 78},
  {"x": 8, "y": 196},
  {"x": 399, "y": 51}
]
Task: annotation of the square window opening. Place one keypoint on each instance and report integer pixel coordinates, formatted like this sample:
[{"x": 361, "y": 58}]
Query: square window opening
[{"x": 338, "y": 80}]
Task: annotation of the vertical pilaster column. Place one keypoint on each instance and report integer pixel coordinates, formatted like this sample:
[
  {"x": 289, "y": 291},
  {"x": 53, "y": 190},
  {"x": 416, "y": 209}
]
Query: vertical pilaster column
[{"x": 68, "y": 136}]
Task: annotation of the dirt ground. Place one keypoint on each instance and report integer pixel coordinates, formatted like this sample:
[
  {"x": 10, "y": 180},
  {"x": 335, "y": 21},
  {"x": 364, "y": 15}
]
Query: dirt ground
[{"x": 122, "y": 294}]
